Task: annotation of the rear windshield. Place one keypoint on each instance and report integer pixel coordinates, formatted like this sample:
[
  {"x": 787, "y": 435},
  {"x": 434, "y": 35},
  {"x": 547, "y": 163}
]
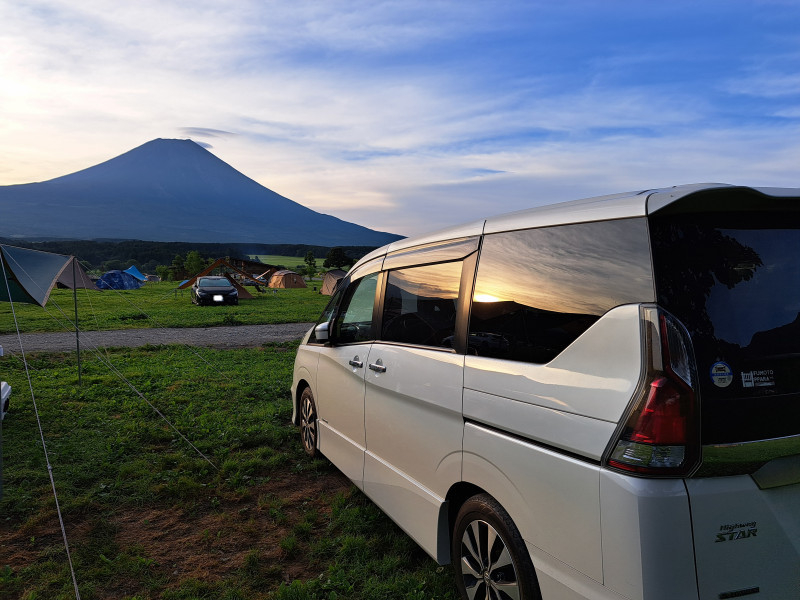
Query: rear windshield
[{"x": 733, "y": 279}]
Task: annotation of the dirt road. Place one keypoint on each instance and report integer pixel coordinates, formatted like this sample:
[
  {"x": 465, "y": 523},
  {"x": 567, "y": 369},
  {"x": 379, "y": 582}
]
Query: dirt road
[{"x": 241, "y": 336}]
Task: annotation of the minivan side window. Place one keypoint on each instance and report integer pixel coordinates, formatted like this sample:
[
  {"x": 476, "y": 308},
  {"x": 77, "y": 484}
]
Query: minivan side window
[
  {"x": 354, "y": 321},
  {"x": 420, "y": 305},
  {"x": 538, "y": 290}
]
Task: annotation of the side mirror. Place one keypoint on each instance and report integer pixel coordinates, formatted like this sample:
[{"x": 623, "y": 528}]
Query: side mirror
[{"x": 321, "y": 332}]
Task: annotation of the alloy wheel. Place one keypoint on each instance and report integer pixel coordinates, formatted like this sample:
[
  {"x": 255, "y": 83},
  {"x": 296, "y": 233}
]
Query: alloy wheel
[
  {"x": 487, "y": 567},
  {"x": 308, "y": 425}
]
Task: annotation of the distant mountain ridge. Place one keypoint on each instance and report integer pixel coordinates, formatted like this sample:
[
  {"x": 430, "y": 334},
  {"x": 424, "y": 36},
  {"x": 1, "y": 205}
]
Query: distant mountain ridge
[{"x": 170, "y": 191}]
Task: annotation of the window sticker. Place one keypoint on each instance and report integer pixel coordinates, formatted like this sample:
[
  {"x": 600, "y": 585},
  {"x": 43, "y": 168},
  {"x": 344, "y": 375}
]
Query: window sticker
[
  {"x": 721, "y": 374},
  {"x": 759, "y": 378}
]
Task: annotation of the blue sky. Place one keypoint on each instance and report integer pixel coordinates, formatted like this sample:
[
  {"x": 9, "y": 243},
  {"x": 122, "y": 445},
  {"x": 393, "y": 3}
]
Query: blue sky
[{"x": 411, "y": 116}]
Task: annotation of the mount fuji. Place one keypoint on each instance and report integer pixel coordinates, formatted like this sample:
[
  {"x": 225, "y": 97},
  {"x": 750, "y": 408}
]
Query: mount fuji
[{"x": 169, "y": 191}]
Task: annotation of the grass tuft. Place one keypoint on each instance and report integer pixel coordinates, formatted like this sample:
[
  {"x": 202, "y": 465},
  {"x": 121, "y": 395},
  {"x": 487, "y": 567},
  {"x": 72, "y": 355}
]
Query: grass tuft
[{"x": 147, "y": 517}]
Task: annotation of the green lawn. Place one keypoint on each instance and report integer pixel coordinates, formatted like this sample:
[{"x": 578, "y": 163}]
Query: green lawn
[
  {"x": 160, "y": 305},
  {"x": 148, "y": 517},
  {"x": 290, "y": 262}
]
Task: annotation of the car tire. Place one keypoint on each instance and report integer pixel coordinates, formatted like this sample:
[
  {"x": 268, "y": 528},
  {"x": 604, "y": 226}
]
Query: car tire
[
  {"x": 308, "y": 423},
  {"x": 489, "y": 556}
]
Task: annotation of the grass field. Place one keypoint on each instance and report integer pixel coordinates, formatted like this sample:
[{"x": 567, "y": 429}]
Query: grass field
[
  {"x": 149, "y": 517},
  {"x": 244, "y": 516},
  {"x": 290, "y": 262},
  {"x": 160, "y": 305}
]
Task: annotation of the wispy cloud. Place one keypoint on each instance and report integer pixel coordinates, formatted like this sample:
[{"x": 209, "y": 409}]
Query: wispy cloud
[{"x": 415, "y": 115}]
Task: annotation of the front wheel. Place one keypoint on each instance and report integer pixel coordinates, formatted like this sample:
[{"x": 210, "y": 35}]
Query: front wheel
[
  {"x": 489, "y": 554},
  {"x": 308, "y": 422}
]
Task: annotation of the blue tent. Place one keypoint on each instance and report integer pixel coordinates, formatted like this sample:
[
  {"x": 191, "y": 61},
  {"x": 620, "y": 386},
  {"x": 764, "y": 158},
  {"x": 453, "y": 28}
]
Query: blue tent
[
  {"x": 132, "y": 270},
  {"x": 118, "y": 280}
]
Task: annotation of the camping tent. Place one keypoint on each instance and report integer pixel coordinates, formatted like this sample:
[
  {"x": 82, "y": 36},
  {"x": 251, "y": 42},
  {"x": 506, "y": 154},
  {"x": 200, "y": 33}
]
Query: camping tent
[
  {"x": 286, "y": 279},
  {"x": 29, "y": 275},
  {"x": 331, "y": 280},
  {"x": 118, "y": 280},
  {"x": 264, "y": 277},
  {"x": 73, "y": 277},
  {"x": 132, "y": 270}
]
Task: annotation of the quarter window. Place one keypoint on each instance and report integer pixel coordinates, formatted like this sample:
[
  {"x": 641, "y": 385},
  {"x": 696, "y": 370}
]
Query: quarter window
[
  {"x": 420, "y": 305},
  {"x": 538, "y": 290}
]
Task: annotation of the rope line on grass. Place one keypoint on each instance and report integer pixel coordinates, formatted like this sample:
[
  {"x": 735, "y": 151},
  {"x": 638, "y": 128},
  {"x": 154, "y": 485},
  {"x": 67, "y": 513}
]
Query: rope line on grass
[
  {"x": 107, "y": 362},
  {"x": 160, "y": 326},
  {"x": 122, "y": 377},
  {"x": 141, "y": 310},
  {"x": 41, "y": 435}
]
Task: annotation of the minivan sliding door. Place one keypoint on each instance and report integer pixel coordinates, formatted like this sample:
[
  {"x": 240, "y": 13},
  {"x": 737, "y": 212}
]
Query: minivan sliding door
[{"x": 413, "y": 401}]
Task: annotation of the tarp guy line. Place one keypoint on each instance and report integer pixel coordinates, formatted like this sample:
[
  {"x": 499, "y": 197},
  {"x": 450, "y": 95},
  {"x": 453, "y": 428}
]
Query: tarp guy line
[
  {"x": 94, "y": 314},
  {"x": 114, "y": 369},
  {"x": 41, "y": 435},
  {"x": 158, "y": 412},
  {"x": 111, "y": 367},
  {"x": 159, "y": 326},
  {"x": 93, "y": 348},
  {"x": 74, "y": 327}
]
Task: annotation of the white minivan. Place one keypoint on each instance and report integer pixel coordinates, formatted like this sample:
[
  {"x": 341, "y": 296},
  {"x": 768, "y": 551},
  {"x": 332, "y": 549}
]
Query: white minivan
[{"x": 596, "y": 399}]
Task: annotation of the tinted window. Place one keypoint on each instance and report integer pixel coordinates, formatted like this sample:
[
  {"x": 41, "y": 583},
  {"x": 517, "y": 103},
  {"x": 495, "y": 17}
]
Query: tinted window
[
  {"x": 420, "y": 305},
  {"x": 537, "y": 290},
  {"x": 354, "y": 320},
  {"x": 734, "y": 282}
]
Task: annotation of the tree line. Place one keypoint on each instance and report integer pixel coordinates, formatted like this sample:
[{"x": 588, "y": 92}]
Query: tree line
[{"x": 99, "y": 256}]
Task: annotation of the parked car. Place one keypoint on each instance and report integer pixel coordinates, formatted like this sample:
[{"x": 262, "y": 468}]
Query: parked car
[
  {"x": 212, "y": 289},
  {"x": 629, "y": 430}
]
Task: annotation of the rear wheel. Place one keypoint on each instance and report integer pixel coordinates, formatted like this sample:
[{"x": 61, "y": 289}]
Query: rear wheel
[
  {"x": 308, "y": 422},
  {"x": 489, "y": 554}
]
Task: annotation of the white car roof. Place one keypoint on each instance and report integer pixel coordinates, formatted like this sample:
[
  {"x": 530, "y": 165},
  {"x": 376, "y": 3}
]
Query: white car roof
[{"x": 601, "y": 208}]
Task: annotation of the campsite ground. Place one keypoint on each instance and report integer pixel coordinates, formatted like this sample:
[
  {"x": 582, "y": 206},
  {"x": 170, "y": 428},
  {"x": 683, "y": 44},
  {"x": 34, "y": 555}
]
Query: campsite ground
[
  {"x": 242, "y": 336},
  {"x": 159, "y": 305},
  {"x": 244, "y": 516}
]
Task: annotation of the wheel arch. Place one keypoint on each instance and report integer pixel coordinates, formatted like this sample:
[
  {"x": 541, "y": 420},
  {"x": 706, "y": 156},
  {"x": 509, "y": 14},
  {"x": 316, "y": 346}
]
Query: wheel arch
[
  {"x": 482, "y": 507},
  {"x": 458, "y": 493},
  {"x": 300, "y": 387}
]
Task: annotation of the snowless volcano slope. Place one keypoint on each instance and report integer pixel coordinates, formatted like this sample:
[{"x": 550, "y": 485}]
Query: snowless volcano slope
[{"x": 169, "y": 191}]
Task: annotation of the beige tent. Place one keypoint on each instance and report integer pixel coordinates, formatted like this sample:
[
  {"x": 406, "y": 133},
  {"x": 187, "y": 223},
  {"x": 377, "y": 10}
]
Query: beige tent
[
  {"x": 331, "y": 280},
  {"x": 266, "y": 274},
  {"x": 286, "y": 279},
  {"x": 73, "y": 276}
]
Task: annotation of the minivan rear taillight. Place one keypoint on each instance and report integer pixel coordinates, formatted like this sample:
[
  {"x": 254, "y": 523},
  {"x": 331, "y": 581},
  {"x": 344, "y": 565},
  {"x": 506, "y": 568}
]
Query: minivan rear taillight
[{"x": 660, "y": 435}]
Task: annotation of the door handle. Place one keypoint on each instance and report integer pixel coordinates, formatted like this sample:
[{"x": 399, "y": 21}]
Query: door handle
[
  {"x": 377, "y": 366},
  {"x": 355, "y": 362}
]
